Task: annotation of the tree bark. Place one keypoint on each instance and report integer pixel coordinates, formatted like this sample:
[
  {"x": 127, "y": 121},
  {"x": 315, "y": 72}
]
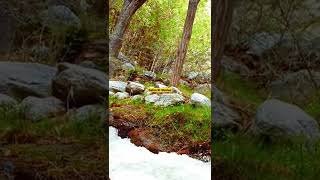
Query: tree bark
[
  {"x": 183, "y": 47},
  {"x": 222, "y": 18},
  {"x": 127, "y": 11}
]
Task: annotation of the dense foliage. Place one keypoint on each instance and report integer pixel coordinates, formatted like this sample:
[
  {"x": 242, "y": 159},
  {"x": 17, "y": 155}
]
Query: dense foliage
[{"x": 155, "y": 30}]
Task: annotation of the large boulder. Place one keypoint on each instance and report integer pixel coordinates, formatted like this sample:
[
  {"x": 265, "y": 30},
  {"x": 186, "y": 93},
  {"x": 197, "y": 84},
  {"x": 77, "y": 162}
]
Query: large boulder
[
  {"x": 261, "y": 42},
  {"x": 62, "y": 17},
  {"x": 200, "y": 100},
  {"x": 151, "y": 98},
  {"x": 90, "y": 111},
  {"x": 199, "y": 77},
  {"x": 20, "y": 80},
  {"x": 127, "y": 67},
  {"x": 224, "y": 116},
  {"x": 7, "y": 100},
  {"x": 117, "y": 86},
  {"x": 275, "y": 118},
  {"x": 134, "y": 88},
  {"x": 230, "y": 65},
  {"x": 78, "y": 85},
  {"x": 150, "y": 74},
  {"x": 122, "y": 95},
  {"x": 89, "y": 64},
  {"x": 169, "y": 99},
  {"x": 296, "y": 87},
  {"x": 39, "y": 108},
  {"x": 219, "y": 96}
]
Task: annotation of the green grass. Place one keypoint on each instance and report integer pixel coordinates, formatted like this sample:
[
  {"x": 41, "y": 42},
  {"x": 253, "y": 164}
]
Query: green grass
[
  {"x": 240, "y": 89},
  {"x": 252, "y": 159},
  {"x": 12, "y": 120},
  {"x": 182, "y": 120},
  {"x": 185, "y": 89},
  {"x": 244, "y": 157},
  {"x": 313, "y": 107},
  {"x": 186, "y": 119}
]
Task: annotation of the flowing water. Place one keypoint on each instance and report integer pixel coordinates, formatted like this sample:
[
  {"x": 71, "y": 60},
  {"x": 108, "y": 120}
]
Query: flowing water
[{"x": 127, "y": 161}]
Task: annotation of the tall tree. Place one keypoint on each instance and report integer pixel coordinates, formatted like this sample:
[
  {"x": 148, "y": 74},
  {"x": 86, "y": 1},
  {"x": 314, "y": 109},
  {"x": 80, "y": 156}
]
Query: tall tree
[
  {"x": 222, "y": 18},
  {"x": 126, "y": 13},
  {"x": 183, "y": 46}
]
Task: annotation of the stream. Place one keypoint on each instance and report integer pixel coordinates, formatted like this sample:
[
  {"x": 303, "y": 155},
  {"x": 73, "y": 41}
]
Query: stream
[{"x": 127, "y": 161}]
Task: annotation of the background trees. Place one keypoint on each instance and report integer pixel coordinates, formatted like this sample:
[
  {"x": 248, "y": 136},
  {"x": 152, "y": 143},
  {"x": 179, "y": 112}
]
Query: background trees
[
  {"x": 155, "y": 31},
  {"x": 183, "y": 47},
  {"x": 127, "y": 11},
  {"x": 222, "y": 17}
]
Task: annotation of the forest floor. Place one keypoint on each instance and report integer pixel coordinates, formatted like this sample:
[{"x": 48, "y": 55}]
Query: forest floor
[{"x": 239, "y": 156}]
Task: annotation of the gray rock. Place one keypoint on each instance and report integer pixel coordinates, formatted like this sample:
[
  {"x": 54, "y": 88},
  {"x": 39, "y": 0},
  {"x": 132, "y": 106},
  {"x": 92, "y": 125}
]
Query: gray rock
[
  {"x": 78, "y": 85},
  {"x": 134, "y": 88},
  {"x": 20, "y": 80},
  {"x": 111, "y": 93},
  {"x": 152, "y": 98},
  {"x": 89, "y": 64},
  {"x": 169, "y": 99},
  {"x": 124, "y": 58},
  {"x": 159, "y": 85},
  {"x": 203, "y": 77},
  {"x": 231, "y": 65},
  {"x": 127, "y": 67},
  {"x": 295, "y": 87},
  {"x": 137, "y": 97},
  {"x": 199, "y": 99},
  {"x": 122, "y": 95},
  {"x": 150, "y": 74},
  {"x": 117, "y": 86},
  {"x": 40, "y": 108},
  {"x": 176, "y": 90},
  {"x": 60, "y": 16},
  {"x": 219, "y": 96},
  {"x": 224, "y": 117},
  {"x": 275, "y": 118},
  {"x": 90, "y": 111},
  {"x": 261, "y": 42},
  {"x": 7, "y": 100},
  {"x": 192, "y": 75},
  {"x": 40, "y": 52}
]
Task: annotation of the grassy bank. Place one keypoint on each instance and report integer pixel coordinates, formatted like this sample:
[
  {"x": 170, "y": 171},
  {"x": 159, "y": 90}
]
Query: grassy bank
[{"x": 60, "y": 148}]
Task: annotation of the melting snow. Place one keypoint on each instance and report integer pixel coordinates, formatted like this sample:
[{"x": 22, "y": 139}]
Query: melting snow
[{"x": 127, "y": 161}]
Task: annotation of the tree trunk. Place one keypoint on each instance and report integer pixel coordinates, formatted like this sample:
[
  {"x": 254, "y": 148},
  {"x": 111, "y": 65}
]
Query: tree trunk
[
  {"x": 127, "y": 11},
  {"x": 222, "y": 18},
  {"x": 183, "y": 47}
]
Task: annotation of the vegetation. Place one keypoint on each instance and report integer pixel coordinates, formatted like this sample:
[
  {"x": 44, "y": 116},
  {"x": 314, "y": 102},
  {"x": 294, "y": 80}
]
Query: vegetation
[
  {"x": 155, "y": 31},
  {"x": 51, "y": 141}
]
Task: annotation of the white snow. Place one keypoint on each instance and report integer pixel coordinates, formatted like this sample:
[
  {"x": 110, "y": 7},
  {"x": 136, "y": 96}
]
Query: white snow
[{"x": 127, "y": 161}]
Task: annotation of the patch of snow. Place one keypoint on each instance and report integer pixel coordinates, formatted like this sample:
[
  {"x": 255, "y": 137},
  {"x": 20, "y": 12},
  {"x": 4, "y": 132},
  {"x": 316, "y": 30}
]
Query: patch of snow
[{"x": 137, "y": 163}]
